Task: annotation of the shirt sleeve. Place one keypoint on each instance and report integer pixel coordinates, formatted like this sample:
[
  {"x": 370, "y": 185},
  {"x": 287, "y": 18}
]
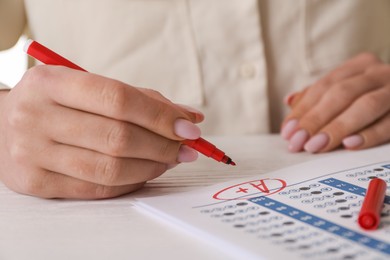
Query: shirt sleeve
[{"x": 12, "y": 22}]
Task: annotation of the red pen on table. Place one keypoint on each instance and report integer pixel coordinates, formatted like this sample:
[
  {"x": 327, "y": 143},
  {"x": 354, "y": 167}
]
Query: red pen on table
[
  {"x": 369, "y": 216},
  {"x": 49, "y": 57}
]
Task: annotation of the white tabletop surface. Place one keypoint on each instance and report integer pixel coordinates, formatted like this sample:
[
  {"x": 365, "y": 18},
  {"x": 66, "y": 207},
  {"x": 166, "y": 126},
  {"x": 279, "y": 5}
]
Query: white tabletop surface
[{"x": 32, "y": 228}]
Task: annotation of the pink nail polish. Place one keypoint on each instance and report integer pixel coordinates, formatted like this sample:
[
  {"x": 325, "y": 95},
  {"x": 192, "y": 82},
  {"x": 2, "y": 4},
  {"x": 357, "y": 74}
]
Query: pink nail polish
[
  {"x": 353, "y": 141},
  {"x": 316, "y": 143},
  {"x": 298, "y": 140},
  {"x": 186, "y": 129},
  {"x": 187, "y": 154},
  {"x": 289, "y": 128}
]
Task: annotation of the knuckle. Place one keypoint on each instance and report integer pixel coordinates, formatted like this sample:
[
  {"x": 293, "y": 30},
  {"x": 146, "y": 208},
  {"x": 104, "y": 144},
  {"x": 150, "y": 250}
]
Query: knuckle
[
  {"x": 341, "y": 88},
  {"x": 340, "y": 93},
  {"x": 19, "y": 116},
  {"x": 108, "y": 171},
  {"x": 113, "y": 97},
  {"x": 118, "y": 138},
  {"x": 299, "y": 111},
  {"x": 371, "y": 104},
  {"x": 35, "y": 73},
  {"x": 19, "y": 152},
  {"x": 321, "y": 86},
  {"x": 158, "y": 115}
]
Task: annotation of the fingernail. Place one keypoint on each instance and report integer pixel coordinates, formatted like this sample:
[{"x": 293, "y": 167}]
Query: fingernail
[
  {"x": 187, "y": 154},
  {"x": 186, "y": 129},
  {"x": 288, "y": 128},
  {"x": 353, "y": 141},
  {"x": 289, "y": 99},
  {"x": 298, "y": 140},
  {"x": 316, "y": 143}
]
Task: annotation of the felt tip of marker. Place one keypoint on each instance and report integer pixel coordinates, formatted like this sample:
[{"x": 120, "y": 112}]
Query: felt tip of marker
[{"x": 228, "y": 160}]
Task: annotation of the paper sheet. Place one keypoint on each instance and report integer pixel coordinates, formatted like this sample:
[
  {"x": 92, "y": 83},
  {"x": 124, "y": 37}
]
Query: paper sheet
[{"x": 307, "y": 211}]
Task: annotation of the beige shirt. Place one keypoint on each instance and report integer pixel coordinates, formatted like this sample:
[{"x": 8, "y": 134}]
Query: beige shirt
[{"x": 234, "y": 60}]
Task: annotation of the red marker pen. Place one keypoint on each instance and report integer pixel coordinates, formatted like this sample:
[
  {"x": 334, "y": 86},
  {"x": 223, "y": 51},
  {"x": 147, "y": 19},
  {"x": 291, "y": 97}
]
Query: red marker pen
[
  {"x": 369, "y": 216},
  {"x": 47, "y": 56},
  {"x": 209, "y": 150}
]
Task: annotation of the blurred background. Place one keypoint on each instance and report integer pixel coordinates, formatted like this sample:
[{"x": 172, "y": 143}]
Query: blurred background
[{"x": 13, "y": 63}]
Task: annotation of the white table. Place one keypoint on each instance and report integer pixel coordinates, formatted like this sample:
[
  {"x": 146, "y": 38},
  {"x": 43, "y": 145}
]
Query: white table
[{"x": 32, "y": 228}]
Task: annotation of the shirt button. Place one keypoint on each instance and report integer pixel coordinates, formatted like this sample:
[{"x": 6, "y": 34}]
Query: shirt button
[{"x": 247, "y": 70}]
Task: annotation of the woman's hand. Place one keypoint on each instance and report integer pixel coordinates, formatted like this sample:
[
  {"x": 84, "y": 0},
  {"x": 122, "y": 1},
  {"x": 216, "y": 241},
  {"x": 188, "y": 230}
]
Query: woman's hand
[
  {"x": 349, "y": 106},
  {"x": 71, "y": 134}
]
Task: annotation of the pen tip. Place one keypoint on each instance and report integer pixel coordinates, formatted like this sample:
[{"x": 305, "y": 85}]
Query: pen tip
[{"x": 228, "y": 160}]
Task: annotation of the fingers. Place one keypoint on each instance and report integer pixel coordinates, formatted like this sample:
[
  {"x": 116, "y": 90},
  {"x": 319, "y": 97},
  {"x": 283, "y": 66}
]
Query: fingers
[
  {"x": 99, "y": 95},
  {"x": 376, "y": 134},
  {"x": 364, "y": 112},
  {"x": 307, "y": 122},
  {"x": 353, "y": 67},
  {"x": 293, "y": 99},
  {"x": 338, "y": 98},
  {"x": 70, "y": 134},
  {"x": 108, "y": 136},
  {"x": 332, "y": 102},
  {"x": 363, "y": 115},
  {"x": 303, "y": 101},
  {"x": 61, "y": 171},
  {"x": 194, "y": 114},
  {"x": 46, "y": 184},
  {"x": 348, "y": 102},
  {"x": 98, "y": 168}
]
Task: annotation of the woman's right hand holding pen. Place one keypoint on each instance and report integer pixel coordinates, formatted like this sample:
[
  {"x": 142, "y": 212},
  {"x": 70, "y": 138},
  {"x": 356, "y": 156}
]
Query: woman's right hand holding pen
[{"x": 71, "y": 134}]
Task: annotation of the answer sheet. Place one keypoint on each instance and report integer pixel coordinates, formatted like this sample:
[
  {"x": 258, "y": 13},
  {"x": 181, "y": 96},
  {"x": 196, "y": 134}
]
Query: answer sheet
[{"x": 307, "y": 211}]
